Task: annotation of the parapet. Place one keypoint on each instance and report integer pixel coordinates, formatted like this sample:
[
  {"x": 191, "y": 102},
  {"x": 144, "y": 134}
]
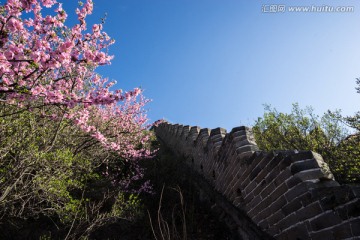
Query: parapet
[{"x": 288, "y": 194}]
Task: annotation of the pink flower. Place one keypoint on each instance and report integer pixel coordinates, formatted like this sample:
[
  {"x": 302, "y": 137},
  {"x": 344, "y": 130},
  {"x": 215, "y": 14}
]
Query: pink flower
[{"x": 15, "y": 25}]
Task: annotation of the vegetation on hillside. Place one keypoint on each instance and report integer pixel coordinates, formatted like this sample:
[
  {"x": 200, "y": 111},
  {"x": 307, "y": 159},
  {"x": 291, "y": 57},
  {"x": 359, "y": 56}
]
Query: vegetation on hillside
[
  {"x": 335, "y": 137},
  {"x": 69, "y": 146}
]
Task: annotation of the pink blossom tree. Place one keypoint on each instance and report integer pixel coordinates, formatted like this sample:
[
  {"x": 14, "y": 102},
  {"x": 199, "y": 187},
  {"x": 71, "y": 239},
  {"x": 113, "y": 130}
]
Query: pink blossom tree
[
  {"x": 62, "y": 127},
  {"x": 44, "y": 62}
]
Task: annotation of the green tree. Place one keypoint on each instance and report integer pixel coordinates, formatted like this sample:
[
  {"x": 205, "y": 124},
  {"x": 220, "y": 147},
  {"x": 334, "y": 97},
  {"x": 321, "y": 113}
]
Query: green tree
[{"x": 331, "y": 135}]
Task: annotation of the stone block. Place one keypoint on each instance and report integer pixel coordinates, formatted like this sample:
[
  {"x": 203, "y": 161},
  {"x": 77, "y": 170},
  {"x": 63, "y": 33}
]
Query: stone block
[
  {"x": 298, "y": 232},
  {"x": 309, "y": 211},
  {"x": 282, "y": 177},
  {"x": 287, "y": 221},
  {"x": 325, "y": 220},
  {"x": 342, "y": 231},
  {"x": 292, "y": 181},
  {"x": 278, "y": 204},
  {"x": 355, "y": 226},
  {"x": 322, "y": 235},
  {"x": 314, "y": 174},
  {"x": 267, "y": 190},
  {"x": 279, "y": 191},
  {"x": 291, "y": 207},
  {"x": 275, "y": 217},
  {"x": 297, "y": 191},
  {"x": 303, "y": 165}
]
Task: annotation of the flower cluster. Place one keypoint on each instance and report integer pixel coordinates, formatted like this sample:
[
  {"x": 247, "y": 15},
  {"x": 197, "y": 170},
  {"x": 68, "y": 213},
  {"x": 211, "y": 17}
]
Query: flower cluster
[{"x": 44, "y": 61}]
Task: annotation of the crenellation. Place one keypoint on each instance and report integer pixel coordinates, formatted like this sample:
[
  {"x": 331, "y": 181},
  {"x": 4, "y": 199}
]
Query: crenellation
[{"x": 287, "y": 194}]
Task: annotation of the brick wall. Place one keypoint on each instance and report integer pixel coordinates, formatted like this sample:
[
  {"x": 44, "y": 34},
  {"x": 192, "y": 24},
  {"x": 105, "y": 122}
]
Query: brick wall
[{"x": 288, "y": 194}]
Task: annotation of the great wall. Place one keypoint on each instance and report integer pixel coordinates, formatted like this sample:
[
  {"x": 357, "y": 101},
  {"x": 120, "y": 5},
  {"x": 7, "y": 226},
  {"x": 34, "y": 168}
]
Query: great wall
[{"x": 268, "y": 195}]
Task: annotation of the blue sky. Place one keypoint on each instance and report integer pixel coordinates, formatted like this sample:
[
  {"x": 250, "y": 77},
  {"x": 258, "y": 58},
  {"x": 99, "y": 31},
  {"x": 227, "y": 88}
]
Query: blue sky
[{"x": 214, "y": 63}]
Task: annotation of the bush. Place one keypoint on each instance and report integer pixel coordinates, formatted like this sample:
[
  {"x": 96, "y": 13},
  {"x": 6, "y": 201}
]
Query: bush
[{"x": 53, "y": 169}]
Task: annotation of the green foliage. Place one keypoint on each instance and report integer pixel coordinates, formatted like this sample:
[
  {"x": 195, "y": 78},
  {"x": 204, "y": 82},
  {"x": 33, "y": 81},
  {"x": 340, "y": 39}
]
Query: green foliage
[
  {"x": 51, "y": 168},
  {"x": 303, "y": 130}
]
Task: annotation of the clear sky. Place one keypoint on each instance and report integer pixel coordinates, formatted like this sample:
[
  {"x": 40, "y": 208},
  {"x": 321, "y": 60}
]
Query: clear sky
[{"x": 214, "y": 63}]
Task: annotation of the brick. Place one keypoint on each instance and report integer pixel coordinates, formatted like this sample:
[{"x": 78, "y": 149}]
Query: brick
[
  {"x": 332, "y": 197},
  {"x": 287, "y": 221},
  {"x": 298, "y": 232},
  {"x": 275, "y": 217},
  {"x": 285, "y": 162},
  {"x": 322, "y": 235},
  {"x": 259, "y": 217},
  {"x": 291, "y": 207},
  {"x": 249, "y": 188},
  {"x": 342, "y": 231},
  {"x": 281, "y": 236},
  {"x": 325, "y": 220},
  {"x": 306, "y": 199},
  {"x": 348, "y": 210},
  {"x": 303, "y": 165},
  {"x": 355, "y": 226},
  {"x": 297, "y": 191},
  {"x": 312, "y": 174},
  {"x": 249, "y": 198},
  {"x": 282, "y": 177},
  {"x": 280, "y": 190},
  {"x": 277, "y": 205},
  {"x": 260, "y": 187},
  {"x": 272, "y": 175},
  {"x": 273, "y": 230},
  {"x": 254, "y": 202},
  {"x": 292, "y": 181},
  {"x": 267, "y": 190},
  {"x": 309, "y": 211},
  {"x": 302, "y": 155},
  {"x": 263, "y": 224}
]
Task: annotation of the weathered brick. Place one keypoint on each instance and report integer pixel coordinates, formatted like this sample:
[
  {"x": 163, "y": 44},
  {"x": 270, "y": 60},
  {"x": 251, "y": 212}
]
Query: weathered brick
[
  {"x": 325, "y": 220},
  {"x": 322, "y": 235},
  {"x": 280, "y": 190},
  {"x": 348, "y": 210},
  {"x": 297, "y": 191},
  {"x": 355, "y": 226},
  {"x": 267, "y": 190},
  {"x": 272, "y": 175},
  {"x": 275, "y": 217},
  {"x": 260, "y": 217},
  {"x": 342, "y": 231},
  {"x": 291, "y": 207},
  {"x": 292, "y": 181},
  {"x": 250, "y": 187},
  {"x": 303, "y": 165},
  {"x": 309, "y": 211},
  {"x": 312, "y": 174},
  {"x": 254, "y": 202},
  {"x": 260, "y": 187},
  {"x": 302, "y": 155},
  {"x": 282, "y": 177},
  {"x": 255, "y": 172},
  {"x": 248, "y": 198},
  {"x": 285, "y": 162},
  {"x": 306, "y": 199},
  {"x": 332, "y": 197},
  {"x": 273, "y": 230},
  {"x": 287, "y": 221},
  {"x": 298, "y": 232},
  {"x": 263, "y": 224},
  {"x": 277, "y": 205}
]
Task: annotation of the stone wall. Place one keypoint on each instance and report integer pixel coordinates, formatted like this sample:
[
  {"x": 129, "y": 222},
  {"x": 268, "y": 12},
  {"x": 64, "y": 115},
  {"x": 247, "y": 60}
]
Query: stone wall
[{"x": 288, "y": 194}]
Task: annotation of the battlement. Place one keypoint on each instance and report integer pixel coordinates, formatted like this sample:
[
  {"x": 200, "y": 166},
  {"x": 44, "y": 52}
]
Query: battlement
[{"x": 288, "y": 194}]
